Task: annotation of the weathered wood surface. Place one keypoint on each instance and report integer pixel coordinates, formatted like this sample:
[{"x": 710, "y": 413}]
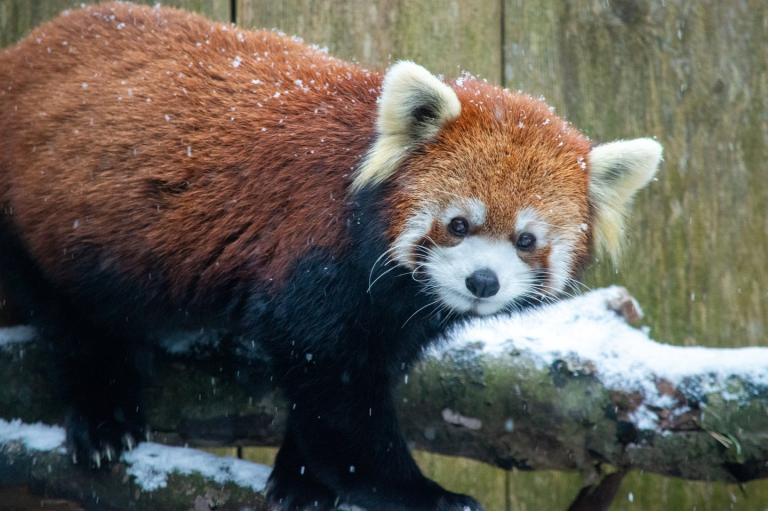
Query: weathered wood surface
[
  {"x": 694, "y": 74},
  {"x": 446, "y": 36},
  {"x": 17, "y": 17}
]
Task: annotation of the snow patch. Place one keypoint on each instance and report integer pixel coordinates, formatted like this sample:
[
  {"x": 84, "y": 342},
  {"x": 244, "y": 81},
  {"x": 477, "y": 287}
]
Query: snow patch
[
  {"x": 35, "y": 437},
  {"x": 583, "y": 329},
  {"x": 150, "y": 464}
]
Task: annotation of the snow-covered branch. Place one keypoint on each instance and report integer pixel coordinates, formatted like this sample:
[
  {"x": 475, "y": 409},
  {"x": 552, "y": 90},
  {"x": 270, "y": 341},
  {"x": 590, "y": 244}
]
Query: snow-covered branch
[
  {"x": 575, "y": 385},
  {"x": 572, "y": 387},
  {"x": 152, "y": 476}
]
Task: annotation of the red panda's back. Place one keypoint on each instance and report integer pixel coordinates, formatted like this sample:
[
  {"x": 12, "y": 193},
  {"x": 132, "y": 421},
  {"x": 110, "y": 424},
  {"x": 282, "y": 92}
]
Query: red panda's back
[{"x": 154, "y": 141}]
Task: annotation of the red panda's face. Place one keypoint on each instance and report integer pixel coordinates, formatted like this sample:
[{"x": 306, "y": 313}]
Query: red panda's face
[
  {"x": 494, "y": 201},
  {"x": 494, "y": 210}
]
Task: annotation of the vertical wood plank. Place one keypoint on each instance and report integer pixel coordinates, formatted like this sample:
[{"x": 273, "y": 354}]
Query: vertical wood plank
[
  {"x": 17, "y": 17},
  {"x": 693, "y": 74},
  {"x": 446, "y": 36}
]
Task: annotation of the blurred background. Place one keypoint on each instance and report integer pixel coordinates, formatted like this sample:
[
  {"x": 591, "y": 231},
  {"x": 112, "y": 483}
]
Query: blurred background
[{"x": 692, "y": 73}]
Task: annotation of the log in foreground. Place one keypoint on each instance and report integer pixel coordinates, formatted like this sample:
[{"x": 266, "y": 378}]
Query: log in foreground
[
  {"x": 572, "y": 387},
  {"x": 152, "y": 476}
]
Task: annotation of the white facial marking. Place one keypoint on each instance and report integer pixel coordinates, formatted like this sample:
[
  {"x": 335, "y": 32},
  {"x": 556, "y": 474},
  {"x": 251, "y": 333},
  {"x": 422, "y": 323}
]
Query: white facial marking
[
  {"x": 416, "y": 228},
  {"x": 419, "y": 225},
  {"x": 449, "y": 267},
  {"x": 560, "y": 261},
  {"x": 529, "y": 220},
  {"x": 561, "y": 248},
  {"x": 472, "y": 209}
]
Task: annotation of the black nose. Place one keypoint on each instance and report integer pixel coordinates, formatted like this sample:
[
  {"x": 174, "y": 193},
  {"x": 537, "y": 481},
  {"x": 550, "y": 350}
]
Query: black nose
[{"x": 483, "y": 283}]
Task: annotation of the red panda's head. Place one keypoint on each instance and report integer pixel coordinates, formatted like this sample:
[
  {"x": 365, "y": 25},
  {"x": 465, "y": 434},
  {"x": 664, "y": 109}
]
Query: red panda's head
[{"x": 491, "y": 198}]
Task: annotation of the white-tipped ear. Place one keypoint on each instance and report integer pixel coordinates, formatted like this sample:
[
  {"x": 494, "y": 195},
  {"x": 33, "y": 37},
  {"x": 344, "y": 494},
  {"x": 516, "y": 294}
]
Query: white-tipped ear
[
  {"x": 413, "y": 107},
  {"x": 617, "y": 171}
]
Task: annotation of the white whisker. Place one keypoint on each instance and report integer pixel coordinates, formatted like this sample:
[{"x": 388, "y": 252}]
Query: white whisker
[
  {"x": 377, "y": 278},
  {"x": 421, "y": 309},
  {"x": 370, "y": 275}
]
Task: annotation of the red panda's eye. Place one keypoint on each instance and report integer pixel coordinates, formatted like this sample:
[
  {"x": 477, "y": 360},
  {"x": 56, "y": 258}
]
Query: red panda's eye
[
  {"x": 526, "y": 241},
  {"x": 459, "y": 226}
]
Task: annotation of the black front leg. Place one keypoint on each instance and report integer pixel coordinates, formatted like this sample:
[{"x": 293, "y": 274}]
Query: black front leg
[
  {"x": 100, "y": 375},
  {"x": 345, "y": 437},
  {"x": 293, "y": 485},
  {"x": 98, "y": 371}
]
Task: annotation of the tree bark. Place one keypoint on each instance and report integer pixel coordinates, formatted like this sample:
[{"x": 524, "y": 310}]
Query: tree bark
[{"x": 508, "y": 405}]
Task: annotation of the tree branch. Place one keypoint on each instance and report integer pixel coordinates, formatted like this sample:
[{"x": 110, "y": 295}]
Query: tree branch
[
  {"x": 150, "y": 477},
  {"x": 571, "y": 388}
]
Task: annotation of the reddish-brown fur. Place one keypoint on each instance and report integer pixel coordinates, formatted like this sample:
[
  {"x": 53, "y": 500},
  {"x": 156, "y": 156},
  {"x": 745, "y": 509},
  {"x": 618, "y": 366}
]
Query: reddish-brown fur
[
  {"x": 91, "y": 161},
  {"x": 149, "y": 107},
  {"x": 130, "y": 149}
]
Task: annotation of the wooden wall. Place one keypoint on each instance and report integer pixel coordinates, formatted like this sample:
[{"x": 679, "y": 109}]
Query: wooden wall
[
  {"x": 17, "y": 17},
  {"x": 690, "y": 72}
]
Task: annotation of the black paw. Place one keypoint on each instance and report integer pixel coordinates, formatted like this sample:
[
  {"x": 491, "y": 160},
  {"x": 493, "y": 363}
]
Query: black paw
[
  {"x": 299, "y": 492},
  {"x": 96, "y": 442}
]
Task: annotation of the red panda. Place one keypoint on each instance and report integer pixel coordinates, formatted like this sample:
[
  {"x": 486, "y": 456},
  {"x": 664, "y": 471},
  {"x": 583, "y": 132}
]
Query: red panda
[{"x": 159, "y": 171}]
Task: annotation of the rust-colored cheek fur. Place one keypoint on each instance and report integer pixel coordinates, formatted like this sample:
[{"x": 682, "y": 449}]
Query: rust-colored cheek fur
[
  {"x": 510, "y": 152},
  {"x": 175, "y": 146}
]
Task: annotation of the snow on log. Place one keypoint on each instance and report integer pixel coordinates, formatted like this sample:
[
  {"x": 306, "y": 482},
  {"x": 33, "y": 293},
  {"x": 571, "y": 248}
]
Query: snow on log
[
  {"x": 574, "y": 385},
  {"x": 152, "y": 476},
  {"x": 570, "y": 387}
]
